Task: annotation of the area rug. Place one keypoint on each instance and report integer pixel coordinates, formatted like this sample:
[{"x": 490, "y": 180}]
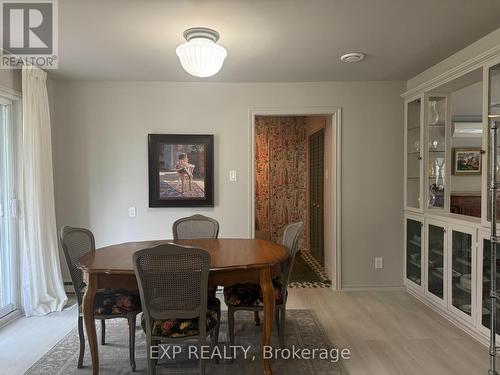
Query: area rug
[
  {"x": 303, "y": 330},
  {"x": 307, "y": 272}
]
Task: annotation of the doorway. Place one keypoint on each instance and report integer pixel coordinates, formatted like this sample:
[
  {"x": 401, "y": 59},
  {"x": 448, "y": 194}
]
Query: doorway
[
  {"x": 294, "y": 179},
  {"x": 316, "y": 198}
]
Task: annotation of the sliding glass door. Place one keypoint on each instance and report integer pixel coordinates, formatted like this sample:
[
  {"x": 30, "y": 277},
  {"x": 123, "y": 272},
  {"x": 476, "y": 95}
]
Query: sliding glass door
[{"x": 8, "y": 209}]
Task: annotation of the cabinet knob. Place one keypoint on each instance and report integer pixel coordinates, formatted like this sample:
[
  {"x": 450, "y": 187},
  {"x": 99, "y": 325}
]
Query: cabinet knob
[{"x": 419, "y": 158}]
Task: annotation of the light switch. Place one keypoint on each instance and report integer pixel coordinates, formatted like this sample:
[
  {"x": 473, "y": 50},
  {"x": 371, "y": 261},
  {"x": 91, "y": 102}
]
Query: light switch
[
  {"x": 132, "y": 211},
  {"x": 379, "y": 262},
  {"x": 233, "y": 176}
]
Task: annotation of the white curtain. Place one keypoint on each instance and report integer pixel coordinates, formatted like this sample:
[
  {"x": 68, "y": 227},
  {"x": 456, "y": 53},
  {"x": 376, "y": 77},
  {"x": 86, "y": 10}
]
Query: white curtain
[{"x": 42, "y": 286}]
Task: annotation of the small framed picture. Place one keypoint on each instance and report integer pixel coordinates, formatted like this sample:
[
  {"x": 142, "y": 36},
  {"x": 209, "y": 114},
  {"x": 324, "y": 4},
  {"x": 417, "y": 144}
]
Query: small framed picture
[
  {"x": 467, "y": 161},
  {"x": 181, "y": 170}
]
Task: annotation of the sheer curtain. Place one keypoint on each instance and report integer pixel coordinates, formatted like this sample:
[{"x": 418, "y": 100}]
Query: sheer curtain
[{"x": 42, "y": 288}]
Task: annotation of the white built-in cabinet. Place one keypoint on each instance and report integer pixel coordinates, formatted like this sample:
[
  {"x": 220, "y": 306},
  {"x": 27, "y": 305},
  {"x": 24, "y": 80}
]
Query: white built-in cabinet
[{"x": 447, "y": 256}]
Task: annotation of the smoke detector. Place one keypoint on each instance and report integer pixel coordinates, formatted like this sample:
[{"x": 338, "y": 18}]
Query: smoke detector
[{"x": 352, "y": 57}]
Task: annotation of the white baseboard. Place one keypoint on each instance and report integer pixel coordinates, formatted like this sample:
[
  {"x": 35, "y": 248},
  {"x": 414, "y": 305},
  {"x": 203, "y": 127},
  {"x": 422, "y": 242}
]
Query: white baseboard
[
  {"x": 9, "y": 318},
  {"x": 372, "y": 287}
]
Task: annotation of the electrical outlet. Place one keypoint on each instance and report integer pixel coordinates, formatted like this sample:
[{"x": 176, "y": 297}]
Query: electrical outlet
[
  {"x": 233, "y": 176},
  {"x": 379, "y": 262},
  {"x": 132, "y": 211}
]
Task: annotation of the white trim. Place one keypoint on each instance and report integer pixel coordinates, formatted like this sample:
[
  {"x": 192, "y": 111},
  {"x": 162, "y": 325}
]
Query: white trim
[
  {"x": 456, "y": 72},
  {"x": 373, "y": 287},
  {"x": 10, "y": 93},
  {"x": 336, "y": 170},
  {"x": 9, "y": 318}
]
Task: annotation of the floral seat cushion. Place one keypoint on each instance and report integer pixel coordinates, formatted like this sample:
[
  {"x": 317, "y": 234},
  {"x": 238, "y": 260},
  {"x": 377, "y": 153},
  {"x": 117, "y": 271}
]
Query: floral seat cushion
[
  {"x": 177, "y": 328},
  {"x": 250, "y": 295},
  {"x": 116, "y": 301}
]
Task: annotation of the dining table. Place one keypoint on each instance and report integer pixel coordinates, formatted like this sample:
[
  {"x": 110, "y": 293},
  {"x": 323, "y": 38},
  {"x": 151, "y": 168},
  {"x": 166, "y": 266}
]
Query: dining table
[{"x": 233, "y": 261}]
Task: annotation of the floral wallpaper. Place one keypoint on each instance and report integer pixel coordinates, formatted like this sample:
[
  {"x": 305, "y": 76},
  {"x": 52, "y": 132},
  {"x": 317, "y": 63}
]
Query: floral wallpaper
[{"x": 280, "y": 174}]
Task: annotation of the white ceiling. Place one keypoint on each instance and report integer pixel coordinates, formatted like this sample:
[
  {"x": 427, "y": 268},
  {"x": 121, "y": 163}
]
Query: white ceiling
[{"x": 268, "y": 40}]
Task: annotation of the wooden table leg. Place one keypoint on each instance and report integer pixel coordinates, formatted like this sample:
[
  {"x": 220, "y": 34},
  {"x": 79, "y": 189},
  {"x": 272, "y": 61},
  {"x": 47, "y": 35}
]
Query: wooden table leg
[
  {"x": 268, "y": 295},
  {"x": 88, "y": 317}
]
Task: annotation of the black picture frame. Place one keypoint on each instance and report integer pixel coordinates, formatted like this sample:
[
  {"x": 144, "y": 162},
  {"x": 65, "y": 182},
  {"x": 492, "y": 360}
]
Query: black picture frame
[{"x": 174, "y": 181}]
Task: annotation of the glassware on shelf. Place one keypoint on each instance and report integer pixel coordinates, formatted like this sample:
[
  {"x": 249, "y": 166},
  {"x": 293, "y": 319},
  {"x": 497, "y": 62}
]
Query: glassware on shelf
[{"x": 434, "y": 113}]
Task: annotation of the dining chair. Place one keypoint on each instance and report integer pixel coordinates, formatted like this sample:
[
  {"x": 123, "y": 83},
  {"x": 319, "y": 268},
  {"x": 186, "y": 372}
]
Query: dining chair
[
  {"x": 195, "y": 226},
  {"x": 249, "y": 296},
  {"x": 108, "y": 303},
  {"x": 173, "y": 286}
]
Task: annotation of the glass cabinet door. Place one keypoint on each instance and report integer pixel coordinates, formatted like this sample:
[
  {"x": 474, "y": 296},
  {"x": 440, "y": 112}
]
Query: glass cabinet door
[
  {"x": 494, "y": 115},
  {"x": 414, "y": 251},
  {"x": 435, "y": 263},
  {"x": 413, "y": 153},
  {"x": 486, "y": 283},
  {"x": 462, "y": 271},
  {"x": 436, "y": 150}
]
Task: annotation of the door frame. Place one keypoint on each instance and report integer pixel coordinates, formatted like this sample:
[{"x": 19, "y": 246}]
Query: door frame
[
  {"x": 335, "y": 114},
  {"x": 15, "y": 99}
]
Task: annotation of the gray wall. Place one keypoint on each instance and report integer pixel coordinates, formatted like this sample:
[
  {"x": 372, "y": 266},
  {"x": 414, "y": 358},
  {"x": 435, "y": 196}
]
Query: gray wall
[
  {"x": 11, "y": 78},
  {"x": 100, "y": 152}
]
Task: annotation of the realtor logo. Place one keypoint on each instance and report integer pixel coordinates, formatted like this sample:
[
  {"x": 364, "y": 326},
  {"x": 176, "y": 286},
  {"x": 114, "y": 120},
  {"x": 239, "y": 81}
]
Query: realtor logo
[{"x": 29, "y": 33}]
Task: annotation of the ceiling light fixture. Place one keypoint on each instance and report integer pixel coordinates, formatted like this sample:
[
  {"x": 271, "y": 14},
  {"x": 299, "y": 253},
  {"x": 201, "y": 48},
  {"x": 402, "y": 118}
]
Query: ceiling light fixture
[
  {"x": 201, "y": 56},
  {"x": 352, "y": 57}
]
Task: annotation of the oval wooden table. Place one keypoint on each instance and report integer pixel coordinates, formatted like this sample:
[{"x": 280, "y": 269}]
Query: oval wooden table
[{"x": 233, "y": 261}]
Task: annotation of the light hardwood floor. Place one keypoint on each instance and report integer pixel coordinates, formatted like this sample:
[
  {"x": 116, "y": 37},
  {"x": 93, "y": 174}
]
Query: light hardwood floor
[
  {"x": 387, "y": 333},
  {"x": 392, "y": 333}
]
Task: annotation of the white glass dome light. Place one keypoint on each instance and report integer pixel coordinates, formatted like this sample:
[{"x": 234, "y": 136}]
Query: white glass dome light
[{"x": 201, "y": 56}]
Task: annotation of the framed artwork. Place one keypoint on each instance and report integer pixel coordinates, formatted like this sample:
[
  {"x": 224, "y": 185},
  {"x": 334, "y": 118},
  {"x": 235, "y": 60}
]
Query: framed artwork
[
  {"x": 467, "y": 161},
  {"x": 181, "y": 170}
]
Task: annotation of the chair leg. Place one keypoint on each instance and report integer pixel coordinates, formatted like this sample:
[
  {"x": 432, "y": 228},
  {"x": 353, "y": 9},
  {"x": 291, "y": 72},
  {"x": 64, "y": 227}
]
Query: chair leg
[
  {"x": 151, "y": 361},
  {"x": 82, "y": 341},
  {"x": 277, "y": 318},
  {"x": 230, "y": 324},
  {"x": 203, "y": 362},
  {"x": 103, "y": 332},
  {"x": 131, "y": 327},
  {"x": 216, "y": 340},
  {"x": 282, "y": 325},
  {"x": 256, "y": 318}
]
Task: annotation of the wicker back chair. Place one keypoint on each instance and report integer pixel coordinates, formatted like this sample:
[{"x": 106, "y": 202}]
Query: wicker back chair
[
  {"x": 75, "y": 243},
  {"x": 195, "y": 226},
  {"x": 248, "y": 296},
  {"x": 291, "y": 236},
  {"x": 173, "y": 285}
]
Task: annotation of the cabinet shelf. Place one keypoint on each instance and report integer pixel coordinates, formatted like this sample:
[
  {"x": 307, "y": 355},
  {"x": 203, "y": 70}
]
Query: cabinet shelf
[
  {"x": 463, "y": 262},
  {"x": 438, "y": 274},
  {"x": 415, "y": 242},
  {"x": 438, "y": 252},
  {"x": 460, "y": 287},
  {"x": 415, "y": 264}
]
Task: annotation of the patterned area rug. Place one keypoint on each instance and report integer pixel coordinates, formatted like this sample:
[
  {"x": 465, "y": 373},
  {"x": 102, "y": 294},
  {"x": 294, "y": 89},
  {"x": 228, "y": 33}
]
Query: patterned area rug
[
  {"x": 302, "y": 331},
  {"x": 307, "y": 272}
]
